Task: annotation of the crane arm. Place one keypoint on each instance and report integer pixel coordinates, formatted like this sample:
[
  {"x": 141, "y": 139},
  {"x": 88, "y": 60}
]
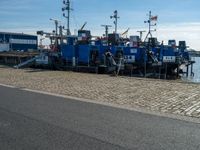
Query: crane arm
[
  {"x": 125, "y": 32},
  {"x": 83, "y": 26}
]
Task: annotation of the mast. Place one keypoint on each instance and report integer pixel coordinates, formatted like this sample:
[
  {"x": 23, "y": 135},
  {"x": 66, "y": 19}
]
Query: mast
[
  {"x": 116, "y": 17},
  {"x": 67, "y": 7},
  {"x": 149, "y": 21}
]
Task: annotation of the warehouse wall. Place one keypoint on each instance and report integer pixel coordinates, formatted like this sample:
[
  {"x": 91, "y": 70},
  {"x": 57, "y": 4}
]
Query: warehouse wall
[{"x": 19, "y": 41}]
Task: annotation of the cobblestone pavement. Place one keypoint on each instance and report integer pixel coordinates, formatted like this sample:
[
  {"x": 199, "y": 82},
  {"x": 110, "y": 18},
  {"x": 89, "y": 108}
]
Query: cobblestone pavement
[{"x": 174, "y": 97}]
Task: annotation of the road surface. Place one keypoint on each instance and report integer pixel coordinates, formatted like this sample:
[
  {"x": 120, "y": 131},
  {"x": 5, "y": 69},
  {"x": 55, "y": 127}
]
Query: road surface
[{"x": 37, "y": 121}]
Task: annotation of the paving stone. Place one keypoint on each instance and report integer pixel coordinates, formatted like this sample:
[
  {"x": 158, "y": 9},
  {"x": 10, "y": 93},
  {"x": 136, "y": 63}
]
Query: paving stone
[{"x": 174, "y": 96}]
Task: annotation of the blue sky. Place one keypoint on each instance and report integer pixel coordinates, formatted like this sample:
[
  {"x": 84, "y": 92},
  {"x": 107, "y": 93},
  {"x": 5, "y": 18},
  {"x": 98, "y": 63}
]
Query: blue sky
[{"x": 178, "y": 19}]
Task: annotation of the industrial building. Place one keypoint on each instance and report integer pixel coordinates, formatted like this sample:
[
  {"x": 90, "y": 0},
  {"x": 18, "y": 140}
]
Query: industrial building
[{"x": 17, "y": 42}]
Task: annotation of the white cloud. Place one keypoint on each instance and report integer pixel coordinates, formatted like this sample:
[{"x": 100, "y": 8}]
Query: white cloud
[{"x": 190, "y": 32}]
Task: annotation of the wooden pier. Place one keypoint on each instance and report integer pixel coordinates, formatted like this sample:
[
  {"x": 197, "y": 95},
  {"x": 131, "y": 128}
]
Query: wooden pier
[{"x": 14, "y": 57}]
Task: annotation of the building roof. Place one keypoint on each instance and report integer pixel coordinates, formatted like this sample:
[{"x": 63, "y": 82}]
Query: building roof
[{"x": 11, "y": 33}]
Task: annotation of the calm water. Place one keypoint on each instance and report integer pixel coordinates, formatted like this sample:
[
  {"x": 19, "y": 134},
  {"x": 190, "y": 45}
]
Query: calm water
[{"x": 196, "y": 70}]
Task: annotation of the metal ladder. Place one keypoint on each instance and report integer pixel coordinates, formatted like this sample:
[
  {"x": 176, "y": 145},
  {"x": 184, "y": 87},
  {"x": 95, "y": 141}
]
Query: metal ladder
[{"x": 27, "y": 62}]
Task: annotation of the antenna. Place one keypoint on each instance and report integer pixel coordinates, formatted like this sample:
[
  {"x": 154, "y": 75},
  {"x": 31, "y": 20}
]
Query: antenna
[
  {"x": 67, "y": 8},
  {"x": 116, "y": 17},
  {"x": 106, "y": 29}
]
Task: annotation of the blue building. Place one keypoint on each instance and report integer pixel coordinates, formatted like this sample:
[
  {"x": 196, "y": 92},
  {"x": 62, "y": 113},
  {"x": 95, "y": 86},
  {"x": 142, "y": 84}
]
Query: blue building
[{"x": 17, "y": 41}]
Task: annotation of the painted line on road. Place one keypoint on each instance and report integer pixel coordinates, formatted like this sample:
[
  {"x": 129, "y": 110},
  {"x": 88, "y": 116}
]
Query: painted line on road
[
  {"x": 140, "y": 110},
  {"x": 9, "y": 86}
]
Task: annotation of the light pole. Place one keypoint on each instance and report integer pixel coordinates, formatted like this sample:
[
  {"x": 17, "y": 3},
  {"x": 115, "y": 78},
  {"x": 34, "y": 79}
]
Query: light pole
[
  {"x": 56, "y": 25},
  {"x": 56, "y": 32},
  {"x": 106, "y": 29}
]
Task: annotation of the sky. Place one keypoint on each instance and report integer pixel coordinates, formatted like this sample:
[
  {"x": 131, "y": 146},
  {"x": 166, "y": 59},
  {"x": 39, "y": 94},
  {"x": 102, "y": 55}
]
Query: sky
[{"x": 177, "y": 19}]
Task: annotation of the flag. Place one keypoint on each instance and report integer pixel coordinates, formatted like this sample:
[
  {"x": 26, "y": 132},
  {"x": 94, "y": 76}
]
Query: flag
[{"x": 154, "y": 18}]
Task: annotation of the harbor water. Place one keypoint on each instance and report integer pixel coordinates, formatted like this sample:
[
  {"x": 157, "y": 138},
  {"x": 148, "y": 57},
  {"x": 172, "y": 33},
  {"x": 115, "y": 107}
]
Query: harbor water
[{"x": 196, "y": 70}]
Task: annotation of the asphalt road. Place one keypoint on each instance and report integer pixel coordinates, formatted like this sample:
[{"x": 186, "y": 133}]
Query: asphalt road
[{"x": 37, "y": 122}]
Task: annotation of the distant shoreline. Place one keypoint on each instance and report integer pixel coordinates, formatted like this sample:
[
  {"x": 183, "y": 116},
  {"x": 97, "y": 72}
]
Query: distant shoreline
[{"x": 194, "y": 53}]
